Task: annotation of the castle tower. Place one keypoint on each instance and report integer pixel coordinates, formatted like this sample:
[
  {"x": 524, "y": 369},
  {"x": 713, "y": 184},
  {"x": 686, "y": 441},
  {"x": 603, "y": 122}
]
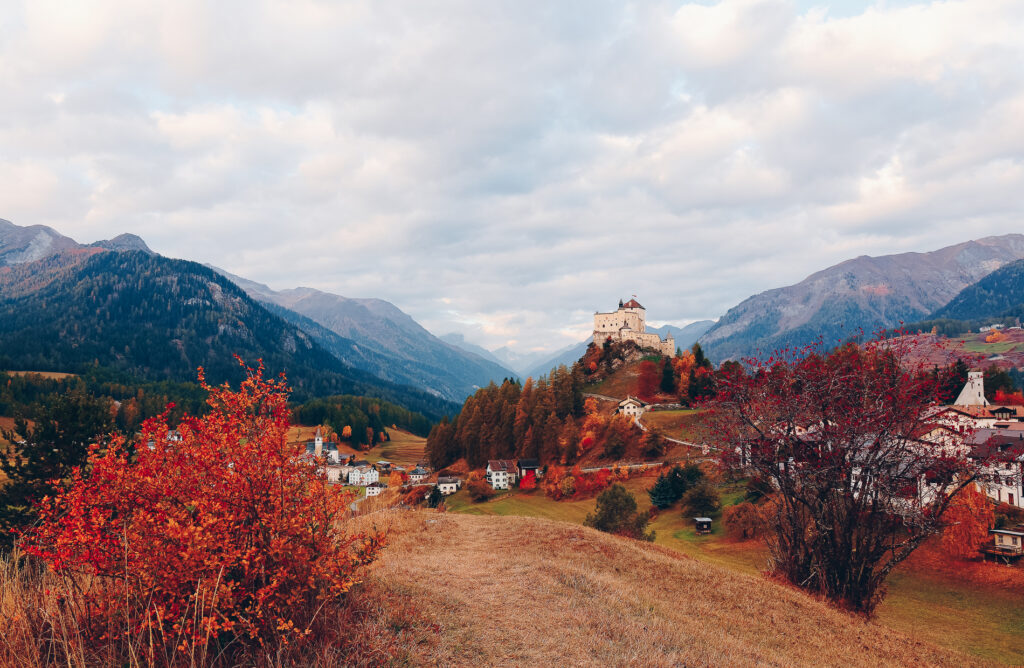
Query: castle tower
[{"x": 973, "y": 393}]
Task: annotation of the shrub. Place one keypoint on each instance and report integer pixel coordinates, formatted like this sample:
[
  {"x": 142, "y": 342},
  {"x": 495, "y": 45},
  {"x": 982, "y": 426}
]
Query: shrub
[
  {"x": 743, "y": 521},
  {"x": 529, "y": 481},
  {"x": 479, "y": 489},
  {"x": 416, "y": 495},
  {"x": 615, "y": 512},
  {"x": 702, "y": 499},
  {"x": 227, "y": 539}
]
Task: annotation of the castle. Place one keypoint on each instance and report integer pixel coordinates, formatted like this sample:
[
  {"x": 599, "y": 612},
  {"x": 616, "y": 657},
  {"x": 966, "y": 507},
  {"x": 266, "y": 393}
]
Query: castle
[{"x": 627, "y": 324}]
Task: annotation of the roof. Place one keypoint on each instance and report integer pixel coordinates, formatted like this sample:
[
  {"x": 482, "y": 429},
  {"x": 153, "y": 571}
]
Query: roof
[
  {"x": 447, "y": 480},
  {"x": 632, "y": 303},
  {"x": 502, "y": 465},
  {"x": 529, "y": 463},
  {"x": 1008, "y": 532},
  {"x": 418, "y": 471},
  {"x": 632, "y": 400},
  {"x": 702, "y": 519}
]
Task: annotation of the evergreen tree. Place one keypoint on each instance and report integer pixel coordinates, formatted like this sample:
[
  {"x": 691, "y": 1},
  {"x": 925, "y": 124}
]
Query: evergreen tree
[
  {"x": 668, "y": 377},
  {"x": 662, "y": 493},
  {"x": 64, "y": 429},
  {"x": 699, "y": 359},
  {"x": 435, "y": 498}
]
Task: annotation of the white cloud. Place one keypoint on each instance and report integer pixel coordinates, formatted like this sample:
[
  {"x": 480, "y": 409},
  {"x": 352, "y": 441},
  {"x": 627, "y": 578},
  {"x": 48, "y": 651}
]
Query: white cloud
[{"x": 507, "y": 168}]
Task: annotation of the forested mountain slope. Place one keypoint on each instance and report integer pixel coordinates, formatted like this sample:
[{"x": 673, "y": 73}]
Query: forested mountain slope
[{"x": 157, "y": 318}]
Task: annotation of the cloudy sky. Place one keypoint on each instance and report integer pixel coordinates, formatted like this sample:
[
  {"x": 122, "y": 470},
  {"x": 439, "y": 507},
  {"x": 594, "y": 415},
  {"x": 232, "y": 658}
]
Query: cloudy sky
[{"x": 503, "y": 169}]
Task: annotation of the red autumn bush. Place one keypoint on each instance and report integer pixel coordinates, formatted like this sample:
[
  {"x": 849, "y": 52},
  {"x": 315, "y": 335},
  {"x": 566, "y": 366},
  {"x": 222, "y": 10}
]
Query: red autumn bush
[
  {"x": 227, "y": 538},
  {"x": 529, "y": 481}
]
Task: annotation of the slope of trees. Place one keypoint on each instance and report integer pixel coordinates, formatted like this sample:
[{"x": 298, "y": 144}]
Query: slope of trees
[
  {"x": 153, "y": 318},
  {"x": 366, "y": 417},
  {"x": 533, "y": 420}
]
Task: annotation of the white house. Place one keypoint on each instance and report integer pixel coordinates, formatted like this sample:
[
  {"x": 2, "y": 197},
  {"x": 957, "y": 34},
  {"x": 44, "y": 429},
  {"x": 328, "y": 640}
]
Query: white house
[
  {"x": 632, "y": 407},
  {"x": 502, "y": 473},
  {"x": 448, "y": 484},
  {"x": 417, "y": 475},
  {"x": 375, "y": 488},
  {"x": 363, "y": 476}
]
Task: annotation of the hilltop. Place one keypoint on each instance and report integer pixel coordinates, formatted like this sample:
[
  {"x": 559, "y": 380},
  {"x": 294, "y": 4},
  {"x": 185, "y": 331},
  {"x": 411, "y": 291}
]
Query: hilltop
[{"x": 568, "y": 595}]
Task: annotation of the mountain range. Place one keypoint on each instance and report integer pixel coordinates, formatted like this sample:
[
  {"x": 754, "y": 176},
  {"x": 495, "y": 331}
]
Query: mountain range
[
  {"x": 1000, "y": 294},
  {"x": 862, "y": 294},
  {"x": 376, "y": 336}
]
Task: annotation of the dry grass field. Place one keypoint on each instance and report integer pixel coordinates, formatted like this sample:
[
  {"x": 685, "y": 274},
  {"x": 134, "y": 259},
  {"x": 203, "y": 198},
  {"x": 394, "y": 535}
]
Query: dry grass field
[
  {"x": 518, "y": 591},
  {"x": 51, "y": 375}
]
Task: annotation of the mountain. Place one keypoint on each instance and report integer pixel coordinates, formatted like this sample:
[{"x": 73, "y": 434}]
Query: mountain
[
  {"x": 28, "y": 244},
  {"x": 124, "y": 242},
  {"x": 459, "y": 341},
  {"x": 389, "y": 343},
  {"x": 684, "y": 336},
  {"x": 1001, "y": 293},
  {"x": 154, "y": 318},
  {"x": 866, "y": 293}
]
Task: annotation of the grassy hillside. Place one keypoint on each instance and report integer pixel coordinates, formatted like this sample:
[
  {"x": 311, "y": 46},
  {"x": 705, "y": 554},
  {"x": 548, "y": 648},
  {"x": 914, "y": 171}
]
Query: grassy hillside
[
  {"x": 969, "y": 607},
  {"x": 567, "y": 595}
]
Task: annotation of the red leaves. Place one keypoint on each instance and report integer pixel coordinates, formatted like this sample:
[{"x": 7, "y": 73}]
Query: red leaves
[{"x": 228, "y": 530}]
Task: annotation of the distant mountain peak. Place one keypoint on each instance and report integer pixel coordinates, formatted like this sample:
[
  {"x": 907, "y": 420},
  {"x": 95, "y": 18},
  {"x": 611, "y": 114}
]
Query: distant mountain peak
[{"x": 124, "y": 242}]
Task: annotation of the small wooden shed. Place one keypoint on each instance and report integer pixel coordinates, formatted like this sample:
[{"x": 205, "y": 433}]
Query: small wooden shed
[{"x": 702, "y": 525}]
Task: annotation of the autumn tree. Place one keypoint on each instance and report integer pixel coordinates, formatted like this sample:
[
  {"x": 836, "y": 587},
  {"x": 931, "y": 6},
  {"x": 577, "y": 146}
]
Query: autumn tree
[
  {"x": 968, "y": 520},
  {"x": 743, "y": 520},
  {"x": 838, "y": 434},
  {"x": 227, "y": 538},
  {"x": 479, "y": 489},
  {"x": 616, "y": 512},
  {"x": 529, "y": 481},
  {"x": 648, "y": 379}
]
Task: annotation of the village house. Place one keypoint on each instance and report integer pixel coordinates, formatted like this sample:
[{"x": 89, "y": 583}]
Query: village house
[
  {"x": 363, "y": 476},
  {"x": 448, "y": 484},
  {"x": 527, "y": 465},
  {"x": 418, "y": 475},
  {"x": 1007, "y": 544},
  {"x": 375, "y": 488},
  {"x": 502, "y": 473},
  {"x": 631, "y": 407}
]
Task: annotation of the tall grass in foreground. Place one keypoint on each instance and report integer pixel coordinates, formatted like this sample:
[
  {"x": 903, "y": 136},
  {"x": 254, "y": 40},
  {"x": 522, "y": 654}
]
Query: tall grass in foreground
[{"x": 44, "y": 622}]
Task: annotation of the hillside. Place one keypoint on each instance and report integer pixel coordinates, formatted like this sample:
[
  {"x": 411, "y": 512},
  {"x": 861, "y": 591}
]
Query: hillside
[
  {"x": 1001, "y": 293},
  {"x": 568, "y": 595},
  {"x": 684, "y": 336},
  {"x": 391, "y": 344},
  {"x": 27, "y": 244},
  {"x": 159, "y": 319},
  {"x": 866, "y": 293}
]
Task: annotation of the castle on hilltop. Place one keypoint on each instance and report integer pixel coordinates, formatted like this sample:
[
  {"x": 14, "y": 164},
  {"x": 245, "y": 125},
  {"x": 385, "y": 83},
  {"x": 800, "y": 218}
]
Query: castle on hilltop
[{"x": 627, "y": 324}]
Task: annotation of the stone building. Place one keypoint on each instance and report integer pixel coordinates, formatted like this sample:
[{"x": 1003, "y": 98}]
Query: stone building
[{"x": 628, "y": 324}]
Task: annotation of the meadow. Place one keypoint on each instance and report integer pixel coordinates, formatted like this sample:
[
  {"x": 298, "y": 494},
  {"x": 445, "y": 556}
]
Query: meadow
[{"x": 982, "y": 619}]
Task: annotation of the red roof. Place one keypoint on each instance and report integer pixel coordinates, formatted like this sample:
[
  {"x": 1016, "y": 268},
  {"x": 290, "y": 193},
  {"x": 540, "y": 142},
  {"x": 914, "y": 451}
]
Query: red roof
[{"x": 632, "y": 303}]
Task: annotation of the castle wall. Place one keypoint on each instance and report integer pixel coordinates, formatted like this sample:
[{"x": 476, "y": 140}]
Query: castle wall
[{"x": 628, "y": 324}]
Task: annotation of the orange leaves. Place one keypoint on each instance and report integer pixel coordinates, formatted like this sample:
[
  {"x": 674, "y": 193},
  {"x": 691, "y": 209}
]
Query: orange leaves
[
  {"x": 227, "y": 530},
  {"x": 1004, "y": 398},
  {"x": 968, "y": 519},
  {"x": 995, "y": 337}
]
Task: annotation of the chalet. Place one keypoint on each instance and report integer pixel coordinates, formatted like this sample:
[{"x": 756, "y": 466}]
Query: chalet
[
  {"x": 631, "y": 407},
  {"x": 502, "y": 473},
  {"x": 375, "y": 488},
  {"x": 363, "y": 476},
  {"x": 527, "y": 465},
  {"x": 418, "y": 474},
  {"x": 448, "y": 484},
  {"x": 1006, "y": 545}
]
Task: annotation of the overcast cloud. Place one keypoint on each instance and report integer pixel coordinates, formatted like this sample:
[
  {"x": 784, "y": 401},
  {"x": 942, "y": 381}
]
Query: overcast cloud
[{"x": 503, "y": 169}]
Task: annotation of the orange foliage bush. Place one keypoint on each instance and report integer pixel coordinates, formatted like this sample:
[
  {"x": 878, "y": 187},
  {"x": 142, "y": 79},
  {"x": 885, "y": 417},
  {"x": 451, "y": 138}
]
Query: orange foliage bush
[
  {"x": 969, "y": 516},
  {"x": 227, "y": 538},
  {"x": 560, "y": 483},
  {"x": 995, "y": 337}
]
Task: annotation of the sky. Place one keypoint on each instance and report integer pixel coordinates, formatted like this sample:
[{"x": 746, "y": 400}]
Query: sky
[{"x": 505, "y": 169}]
